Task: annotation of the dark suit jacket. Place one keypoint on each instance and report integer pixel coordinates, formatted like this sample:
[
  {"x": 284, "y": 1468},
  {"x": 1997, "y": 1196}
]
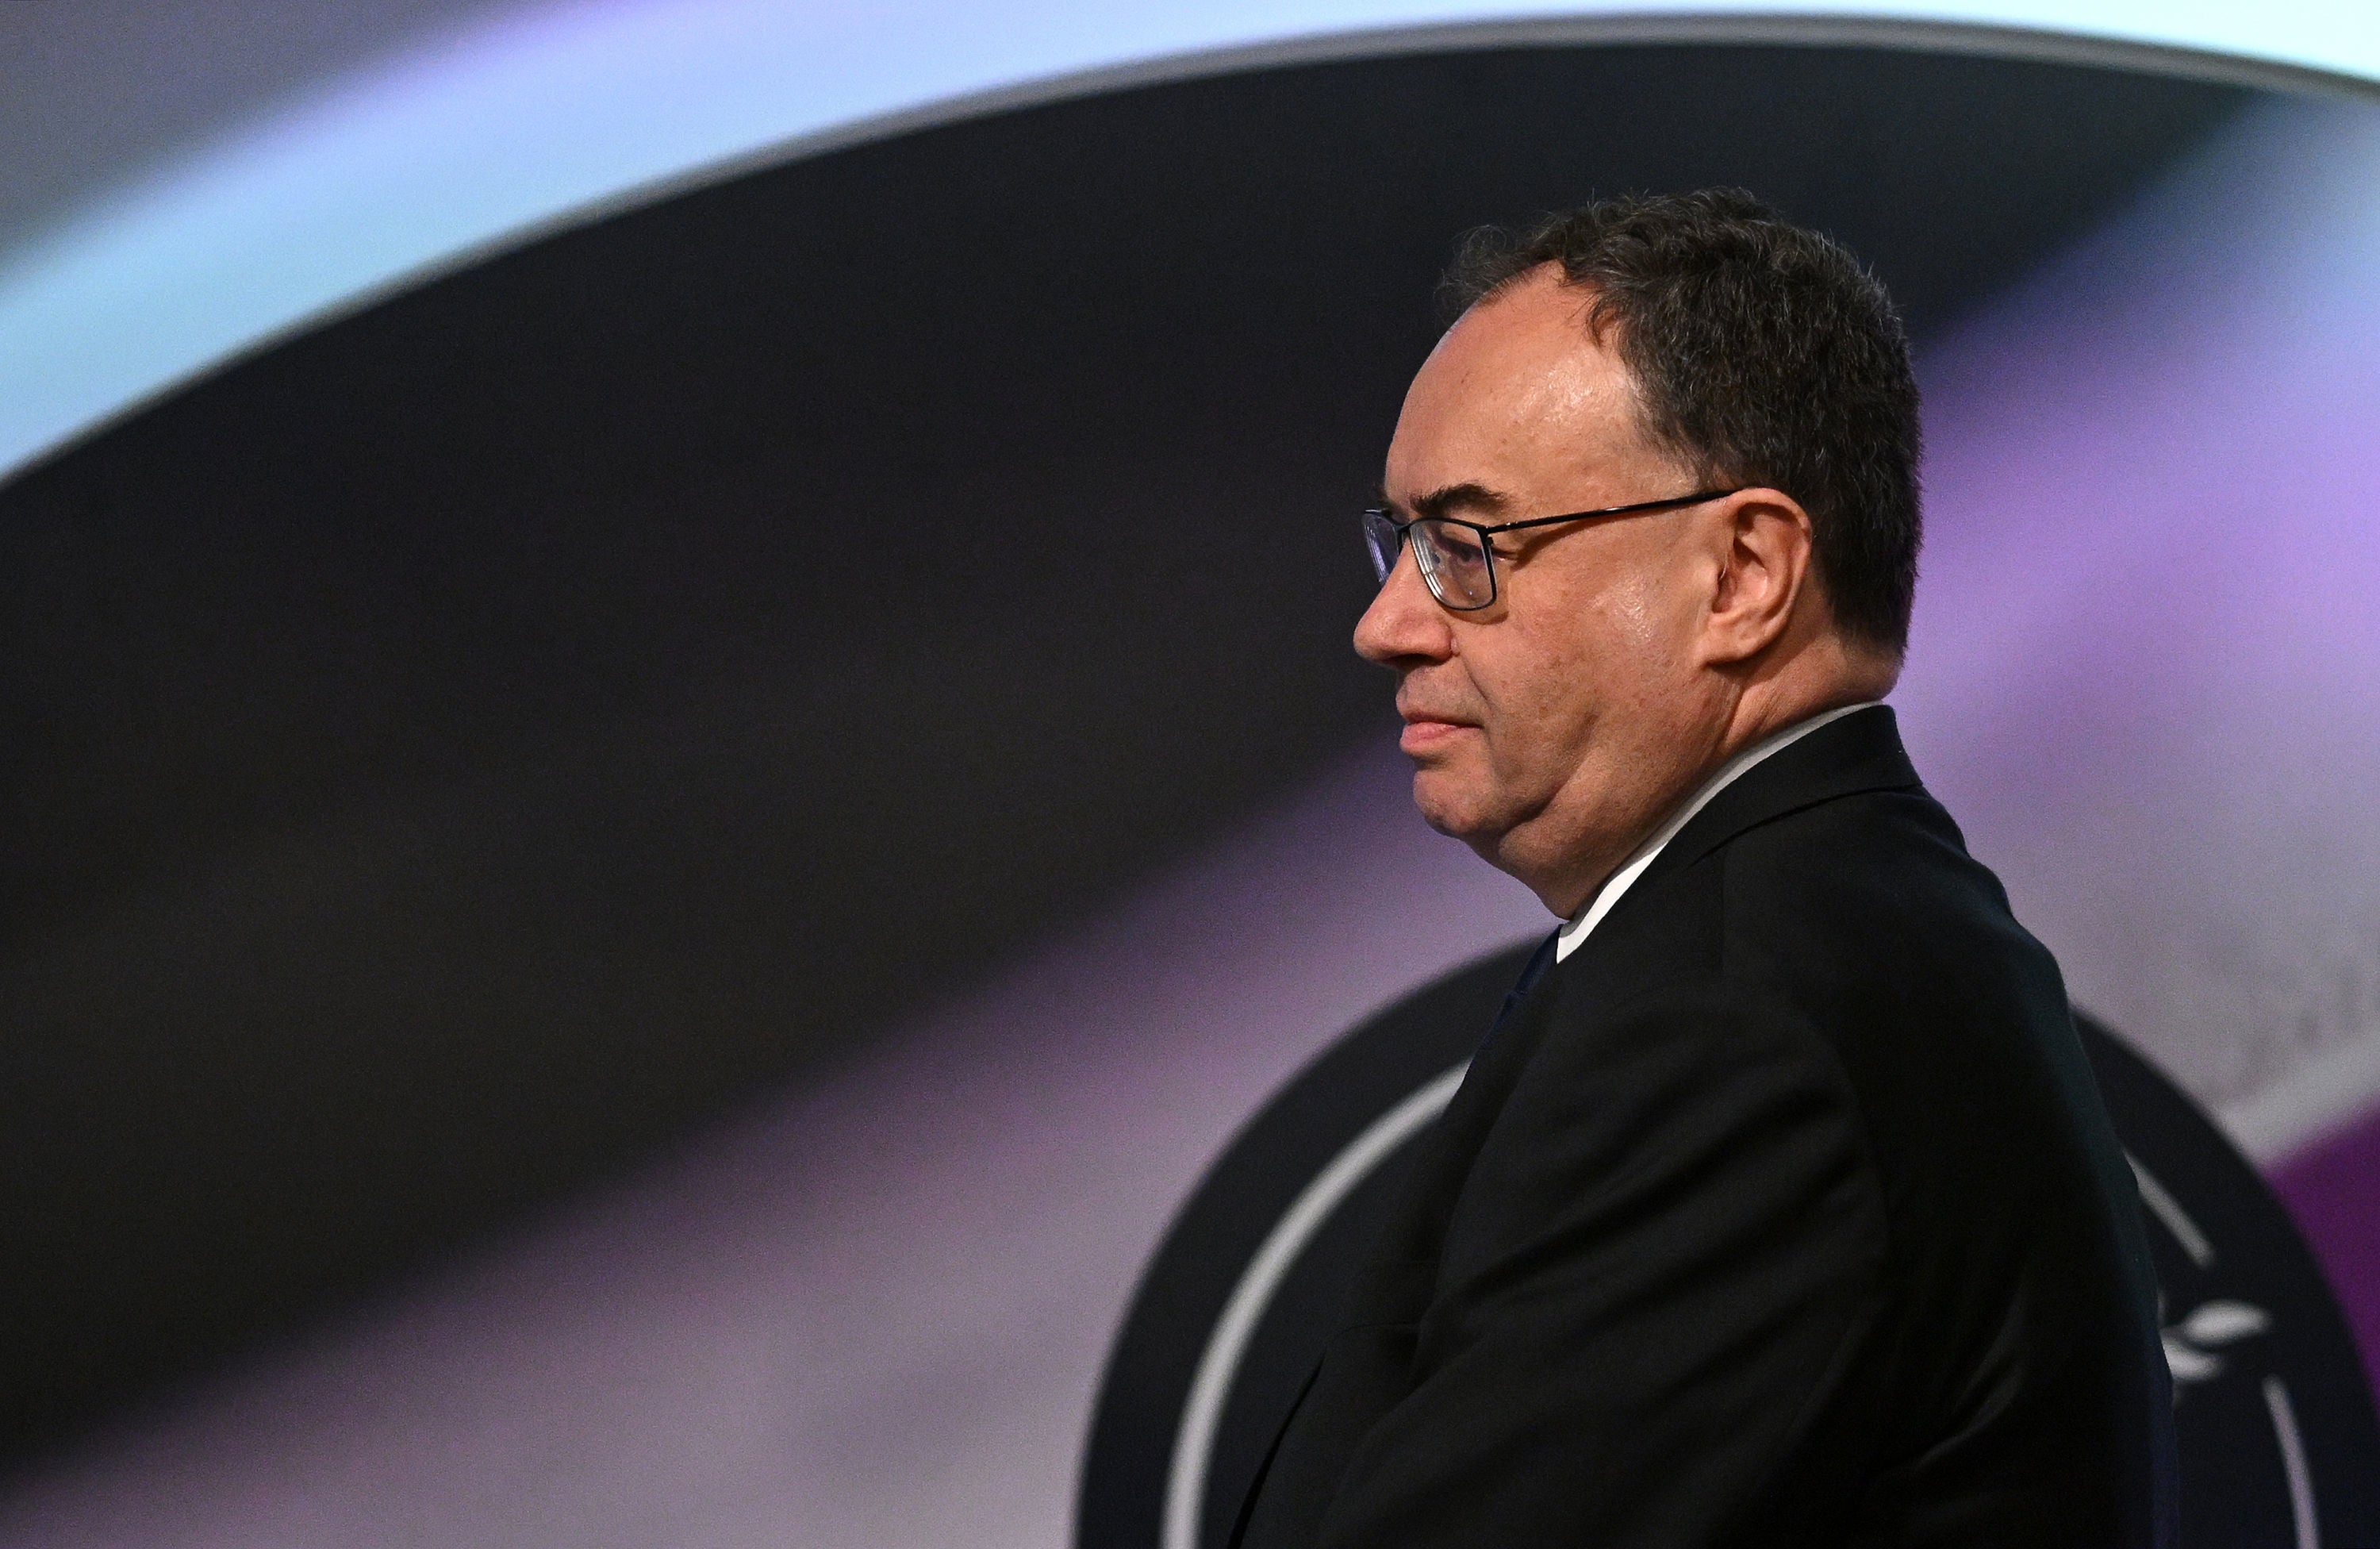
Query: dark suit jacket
[{"x": 1784, "y": 1212}]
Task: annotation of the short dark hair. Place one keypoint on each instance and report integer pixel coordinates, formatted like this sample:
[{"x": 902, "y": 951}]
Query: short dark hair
[{"x": 1764, "y": 354}]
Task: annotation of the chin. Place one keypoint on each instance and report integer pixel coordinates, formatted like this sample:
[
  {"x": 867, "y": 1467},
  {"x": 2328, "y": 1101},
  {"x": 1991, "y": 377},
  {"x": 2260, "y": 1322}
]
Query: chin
[{"x": 1446, "y": 806}]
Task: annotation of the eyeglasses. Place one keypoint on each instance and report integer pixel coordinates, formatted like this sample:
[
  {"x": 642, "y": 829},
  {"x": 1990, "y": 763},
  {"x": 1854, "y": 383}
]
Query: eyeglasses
[{"x": 1456, "y": 558}]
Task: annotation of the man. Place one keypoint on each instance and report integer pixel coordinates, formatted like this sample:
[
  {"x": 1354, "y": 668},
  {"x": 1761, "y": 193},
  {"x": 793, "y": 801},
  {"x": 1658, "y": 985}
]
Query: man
[{"x": 1780, "y": 1207}]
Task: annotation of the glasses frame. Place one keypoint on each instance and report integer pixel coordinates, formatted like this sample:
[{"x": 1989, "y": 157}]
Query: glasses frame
[{"x": 1489, "y": 529}]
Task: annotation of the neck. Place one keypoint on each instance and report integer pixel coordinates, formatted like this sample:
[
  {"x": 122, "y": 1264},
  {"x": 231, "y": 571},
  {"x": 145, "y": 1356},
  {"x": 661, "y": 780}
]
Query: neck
[{"x": 1614, "y": 824}]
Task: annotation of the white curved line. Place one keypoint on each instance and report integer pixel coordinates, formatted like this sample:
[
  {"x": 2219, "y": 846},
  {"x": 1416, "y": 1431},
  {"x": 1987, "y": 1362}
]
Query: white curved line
[
  {"x": 2293, "y": 1463},
  {"x": 1185, "y": 1480},
  {"x": 561, "y": 112},
  {"x": 1202, "y": 1412},
  {"x": 2166, "y": 1208}
]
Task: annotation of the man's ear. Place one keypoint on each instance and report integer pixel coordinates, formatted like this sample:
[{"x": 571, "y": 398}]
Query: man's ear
[{"x": 1766, "y": 549}]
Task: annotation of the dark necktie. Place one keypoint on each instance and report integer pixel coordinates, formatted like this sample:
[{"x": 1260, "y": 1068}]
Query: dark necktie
[{"x": 1539, "y": 962}]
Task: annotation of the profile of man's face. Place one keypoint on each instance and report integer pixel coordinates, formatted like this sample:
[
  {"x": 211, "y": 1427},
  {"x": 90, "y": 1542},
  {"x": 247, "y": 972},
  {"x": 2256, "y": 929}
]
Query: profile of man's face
[{"x": 1566, "y": 709}]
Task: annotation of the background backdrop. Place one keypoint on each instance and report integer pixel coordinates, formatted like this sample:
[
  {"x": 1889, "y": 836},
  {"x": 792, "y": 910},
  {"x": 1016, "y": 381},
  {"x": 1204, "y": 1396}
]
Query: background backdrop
[{"x": 639, "y": 866}]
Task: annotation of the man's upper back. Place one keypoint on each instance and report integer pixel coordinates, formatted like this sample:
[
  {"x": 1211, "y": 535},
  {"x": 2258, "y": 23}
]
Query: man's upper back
[{"x": 1782, "y": 1211}]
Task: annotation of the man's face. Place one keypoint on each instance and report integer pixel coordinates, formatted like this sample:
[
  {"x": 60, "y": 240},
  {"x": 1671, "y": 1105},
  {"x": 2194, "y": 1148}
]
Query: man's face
[{"x": 1553, "y": 727}]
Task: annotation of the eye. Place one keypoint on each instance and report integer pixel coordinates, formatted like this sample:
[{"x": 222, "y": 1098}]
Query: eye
[{"x": 1457, "y": 545}]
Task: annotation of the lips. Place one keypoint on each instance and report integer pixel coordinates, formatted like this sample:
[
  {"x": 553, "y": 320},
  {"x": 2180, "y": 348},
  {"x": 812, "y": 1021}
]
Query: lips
[
  {"x": 1425, "y": 731},
  {"x": 1413, "y": 715}
]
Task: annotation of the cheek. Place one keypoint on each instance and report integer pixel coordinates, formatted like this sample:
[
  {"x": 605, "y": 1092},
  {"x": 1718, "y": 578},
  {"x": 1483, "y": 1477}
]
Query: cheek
[
  {"x": 1636, "y": 641},
  {"x": 1551, "y": 683},
  {"x": 1545, "y": 697},
  {"x": 1632, "y": 620}
]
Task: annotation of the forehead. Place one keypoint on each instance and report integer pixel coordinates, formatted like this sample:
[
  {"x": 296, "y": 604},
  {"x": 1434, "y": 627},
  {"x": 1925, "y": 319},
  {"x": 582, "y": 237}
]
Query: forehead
[{"x": 1521, "y": 397}]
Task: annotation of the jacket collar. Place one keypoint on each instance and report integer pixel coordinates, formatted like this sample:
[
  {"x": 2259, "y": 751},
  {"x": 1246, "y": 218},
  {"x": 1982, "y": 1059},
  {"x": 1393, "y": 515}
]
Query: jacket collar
[{"x": 1860, "y": 753}]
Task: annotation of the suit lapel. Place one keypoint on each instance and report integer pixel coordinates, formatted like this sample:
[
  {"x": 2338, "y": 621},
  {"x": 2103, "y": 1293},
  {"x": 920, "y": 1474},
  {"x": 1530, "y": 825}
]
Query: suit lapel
[{"x": 1859, "y": 752}]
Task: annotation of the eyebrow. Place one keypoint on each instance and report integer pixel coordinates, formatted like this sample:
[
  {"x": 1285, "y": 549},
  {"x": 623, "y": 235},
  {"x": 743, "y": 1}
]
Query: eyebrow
[{"x": 1468, "y": 496}]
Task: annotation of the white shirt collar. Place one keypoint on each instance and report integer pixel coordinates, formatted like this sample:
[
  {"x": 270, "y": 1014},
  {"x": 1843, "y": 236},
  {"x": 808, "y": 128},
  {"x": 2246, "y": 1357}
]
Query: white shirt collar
[{"x": 1592, "y": 914}]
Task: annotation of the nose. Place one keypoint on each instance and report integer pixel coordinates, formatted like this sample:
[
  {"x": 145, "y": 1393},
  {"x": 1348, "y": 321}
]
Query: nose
[{"x": 1404, "y": 627}]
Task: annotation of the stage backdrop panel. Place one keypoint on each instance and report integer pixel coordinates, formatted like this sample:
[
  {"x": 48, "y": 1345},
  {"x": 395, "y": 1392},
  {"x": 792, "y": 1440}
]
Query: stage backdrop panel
[{"x": 638, "y": 878}]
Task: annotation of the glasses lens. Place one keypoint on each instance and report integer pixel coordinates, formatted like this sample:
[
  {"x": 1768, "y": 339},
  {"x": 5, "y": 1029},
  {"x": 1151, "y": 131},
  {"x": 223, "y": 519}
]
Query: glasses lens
[
  {"x": 1382, "y": 539},
  {"x": 1454, "y": 561}
]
